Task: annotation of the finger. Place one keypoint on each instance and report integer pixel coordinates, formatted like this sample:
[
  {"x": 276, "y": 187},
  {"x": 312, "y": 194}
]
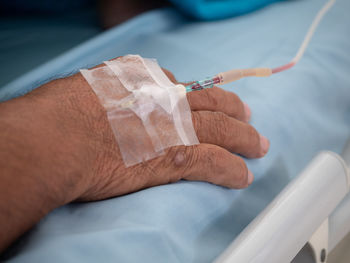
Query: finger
[
  {"x": 236, "y": 136},
  {"x": 203, "y": 162},
  {"x": 217, "y": 99}
]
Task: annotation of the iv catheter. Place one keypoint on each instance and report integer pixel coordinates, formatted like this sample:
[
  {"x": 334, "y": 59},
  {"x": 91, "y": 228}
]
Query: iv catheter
[{"x": 236, "y": 74}]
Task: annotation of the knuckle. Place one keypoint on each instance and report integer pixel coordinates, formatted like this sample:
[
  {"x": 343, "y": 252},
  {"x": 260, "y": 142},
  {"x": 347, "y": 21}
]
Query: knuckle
[
  {"x": 220, "y": 117},
  {"x": 222, "y": 123},
  {"x": 182, "y": 158},
  {"x": 179, "y": 157},
  {"x": 211, "y": 126}
]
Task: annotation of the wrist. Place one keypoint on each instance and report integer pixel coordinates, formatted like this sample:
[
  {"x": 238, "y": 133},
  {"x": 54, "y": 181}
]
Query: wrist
[
  {"x": 47, "y": 153},
  {"x": 45, "y": 128},
  {"x": 78, "y": 114}
]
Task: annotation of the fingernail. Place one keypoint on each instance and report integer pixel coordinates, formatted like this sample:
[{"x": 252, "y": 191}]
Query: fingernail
[
  {"x": 247, "y": 111},
  {"x": 250, "y": 177},
  {"x": 264, "y": 144}
]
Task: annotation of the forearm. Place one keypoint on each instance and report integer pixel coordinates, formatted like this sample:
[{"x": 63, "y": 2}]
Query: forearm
[
  {"x": 25, "y": 197},
  {"x": 40, "y": 168}
]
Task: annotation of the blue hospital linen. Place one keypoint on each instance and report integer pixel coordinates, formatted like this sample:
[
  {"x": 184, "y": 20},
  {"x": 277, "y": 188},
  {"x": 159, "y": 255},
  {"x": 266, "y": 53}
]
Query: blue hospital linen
[
  {"x": 302, "y": 111},
  {"x": 217, "y": 9}
]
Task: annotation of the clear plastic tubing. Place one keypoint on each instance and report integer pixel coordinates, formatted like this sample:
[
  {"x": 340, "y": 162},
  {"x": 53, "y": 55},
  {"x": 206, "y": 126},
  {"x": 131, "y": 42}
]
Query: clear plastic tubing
[{"x": 236, "y": 74}]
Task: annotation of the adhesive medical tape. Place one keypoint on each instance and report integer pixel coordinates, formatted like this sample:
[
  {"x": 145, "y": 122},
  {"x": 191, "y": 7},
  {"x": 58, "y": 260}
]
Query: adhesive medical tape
[
  {"x": 179, "y": 104},
  {"x": 150, "y": 72},
  {"x": 135, "y": 144},
  {"x": 147, "y": 112}
]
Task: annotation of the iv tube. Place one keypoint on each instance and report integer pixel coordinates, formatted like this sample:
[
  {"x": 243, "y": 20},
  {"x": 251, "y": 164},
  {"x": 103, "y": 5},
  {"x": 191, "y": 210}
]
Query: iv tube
[
  {"x": 236, "y": 74},
  {"x": 307, "y": 38}
]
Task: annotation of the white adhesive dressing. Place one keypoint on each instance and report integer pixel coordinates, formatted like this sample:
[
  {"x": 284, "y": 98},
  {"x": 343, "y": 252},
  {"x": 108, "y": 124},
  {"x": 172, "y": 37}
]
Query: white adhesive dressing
[
  {"x": 147, "y": 112},
  {"x": 106, "y": 85},
  {"x": 135, "y": 76},
  {"x": 179, "y": 104},
  {"x": 135, "y": 144}
]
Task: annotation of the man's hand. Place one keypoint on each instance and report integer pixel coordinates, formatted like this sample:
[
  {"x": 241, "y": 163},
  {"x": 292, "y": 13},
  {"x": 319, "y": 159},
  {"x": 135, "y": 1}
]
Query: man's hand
[
  {"x": 220, "y": 120},
  {"x": 56, "y": 146}
]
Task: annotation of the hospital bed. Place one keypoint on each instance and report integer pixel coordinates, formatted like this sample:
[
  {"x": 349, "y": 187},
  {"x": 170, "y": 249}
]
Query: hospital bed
[
  {"x": 302, "y": 112},
  {"x": 317, "y": 200}
]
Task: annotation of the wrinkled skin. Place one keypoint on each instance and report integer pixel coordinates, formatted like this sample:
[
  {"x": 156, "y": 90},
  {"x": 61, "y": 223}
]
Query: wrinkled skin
[{"x": 56, "y": 146}]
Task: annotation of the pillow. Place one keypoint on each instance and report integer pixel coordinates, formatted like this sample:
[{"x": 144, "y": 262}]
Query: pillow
[{"x": 216, "y": 9}]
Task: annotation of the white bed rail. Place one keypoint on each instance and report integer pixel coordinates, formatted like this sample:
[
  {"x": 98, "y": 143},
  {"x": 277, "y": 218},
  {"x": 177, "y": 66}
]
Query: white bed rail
[{"x": 281, "y": 230}]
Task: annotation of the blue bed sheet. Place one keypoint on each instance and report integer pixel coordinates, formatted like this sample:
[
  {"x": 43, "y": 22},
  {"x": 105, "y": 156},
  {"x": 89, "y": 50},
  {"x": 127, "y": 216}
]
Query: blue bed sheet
[{"x": 301, "y": 111}]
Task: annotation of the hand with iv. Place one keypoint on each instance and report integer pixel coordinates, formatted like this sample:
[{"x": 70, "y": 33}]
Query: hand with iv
[{"x": 57, "y": 146}]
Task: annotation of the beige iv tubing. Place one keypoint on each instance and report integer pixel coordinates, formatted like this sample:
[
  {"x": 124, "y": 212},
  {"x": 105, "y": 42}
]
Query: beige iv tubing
[{"x": 236, "y": 74}]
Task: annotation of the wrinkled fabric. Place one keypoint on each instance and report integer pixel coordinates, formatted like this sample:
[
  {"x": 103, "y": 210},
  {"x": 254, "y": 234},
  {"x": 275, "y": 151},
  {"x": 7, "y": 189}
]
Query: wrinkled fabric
[{"x": 302, "y": 111}]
